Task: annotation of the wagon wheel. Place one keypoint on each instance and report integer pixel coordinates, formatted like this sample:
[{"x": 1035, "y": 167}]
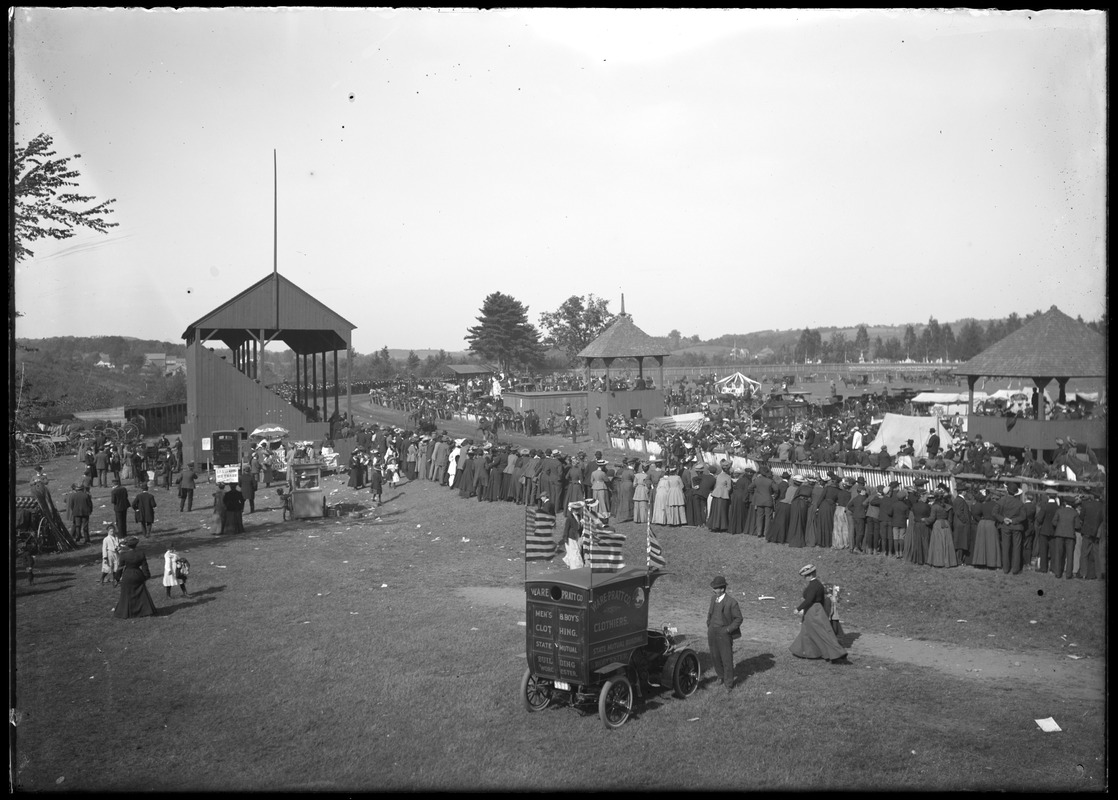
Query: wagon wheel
[
  {"x": 111, "y": 433},
  {"x": 534, "y": 694},
  {"x": 130, "y": 431},
  {"x": 27, "y": 455},
  {"x": 681, "y": 672},
  {"x": 615, "y": 703}
]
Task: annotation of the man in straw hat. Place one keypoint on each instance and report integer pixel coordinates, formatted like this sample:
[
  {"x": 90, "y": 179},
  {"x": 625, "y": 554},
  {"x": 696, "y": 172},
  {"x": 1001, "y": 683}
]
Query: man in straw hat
[{"x": 723, "y": 626}]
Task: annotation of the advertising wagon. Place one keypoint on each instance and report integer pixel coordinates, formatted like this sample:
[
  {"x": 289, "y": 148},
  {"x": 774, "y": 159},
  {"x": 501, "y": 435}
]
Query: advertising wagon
[{"x": 589, "y": 645}]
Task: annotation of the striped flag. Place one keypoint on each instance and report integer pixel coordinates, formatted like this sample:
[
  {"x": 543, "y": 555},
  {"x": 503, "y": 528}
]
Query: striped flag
[
  {"x": 606, "y": 544},
  {"x": 655, "y": 552},
  {"x": 539, "y": 534}
]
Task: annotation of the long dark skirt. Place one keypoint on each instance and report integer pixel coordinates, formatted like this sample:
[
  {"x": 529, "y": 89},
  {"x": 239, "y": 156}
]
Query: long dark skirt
[
  {"x": 779, "y": 527},
  {"x": 134, "y": 598},
  {"x": 739, "y": 514},
  {"x": 719, "y": 517},
  {"x": 826, "y": 524},
  {"x": 797, "y": 523},
  {"x": 817, "y": 638}
]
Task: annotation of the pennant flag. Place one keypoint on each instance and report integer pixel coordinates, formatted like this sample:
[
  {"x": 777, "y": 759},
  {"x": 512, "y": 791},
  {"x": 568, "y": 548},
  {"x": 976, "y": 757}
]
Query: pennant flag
[
  {"x": 605, "y": 548},
  {"x": 655, "y": 552},
  {"x": 539, "y": 534}
]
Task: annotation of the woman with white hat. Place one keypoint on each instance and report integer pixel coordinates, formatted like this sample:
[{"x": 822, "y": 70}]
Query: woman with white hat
[{"x": 816, "y": 638}]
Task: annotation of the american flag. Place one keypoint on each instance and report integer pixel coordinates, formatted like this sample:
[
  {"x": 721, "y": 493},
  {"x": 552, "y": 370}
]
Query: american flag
[
  {"x": 655, "y": 552},
  {"x": 539, "y": 538},
  {"x": 605, "y": 542}
]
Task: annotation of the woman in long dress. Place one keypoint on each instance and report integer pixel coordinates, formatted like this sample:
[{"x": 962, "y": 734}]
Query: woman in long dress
[
  {"x": 986, "y": 553},
  {"x": 783, "y": 513},
  {"x": 641, "y": 489},
  {"x": 624, "y": 482},
  {"x": 817, "y": 637},
  {"x": 718, "y": 517},
  {"x": 811, "y": 532},
  {"x": 739, "y": 503},
  {"x": 134, "y": 598},
  {"x": 941, "y": 545},
  {"x": 962, "y": 527},
  {"x": 797, "y": 515},
  {"x": 826, "y": 512},
  {"x": 917, "y": 533},
  {"x": 676, "y": 513},
  {"x": 843, "y": 524},
  {"x": 669, "y": 503}
]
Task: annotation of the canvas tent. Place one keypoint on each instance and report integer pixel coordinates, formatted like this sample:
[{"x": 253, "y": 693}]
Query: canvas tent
[
  {"x": 897, "y": 429},
  {"x": 691, "y": 423},
  {"x": 736, "y": 384},
  {"x": 947, "y": 402}
]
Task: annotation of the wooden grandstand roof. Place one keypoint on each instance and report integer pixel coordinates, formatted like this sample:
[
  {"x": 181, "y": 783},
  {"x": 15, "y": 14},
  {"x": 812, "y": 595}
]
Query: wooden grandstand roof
[
  {"x": 1051, "y": 346},
  {"x": 282, "y": 310},
  {"x": 623, "y": 339}
]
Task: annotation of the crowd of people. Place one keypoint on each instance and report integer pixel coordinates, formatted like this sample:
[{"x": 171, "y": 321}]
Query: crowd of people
[{"x": 977, "y": 520}]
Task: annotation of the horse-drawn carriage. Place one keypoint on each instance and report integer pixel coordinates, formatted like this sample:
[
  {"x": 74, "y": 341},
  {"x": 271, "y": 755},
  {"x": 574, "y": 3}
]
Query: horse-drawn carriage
[{"x": 589, "y": 645}]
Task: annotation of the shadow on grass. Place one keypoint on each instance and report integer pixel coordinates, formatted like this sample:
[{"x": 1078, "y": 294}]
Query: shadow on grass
[
  {"x": 848, "y": 638},
  {"x": 197, "y": 598},
  {"x": 30, "y": 592}
]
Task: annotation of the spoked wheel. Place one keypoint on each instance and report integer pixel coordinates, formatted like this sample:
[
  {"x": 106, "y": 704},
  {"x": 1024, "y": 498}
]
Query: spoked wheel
[
  {"x": 534, "y": 695},
  {"x": 615, "y": 703},
  {"x": 682, "y": 672}
]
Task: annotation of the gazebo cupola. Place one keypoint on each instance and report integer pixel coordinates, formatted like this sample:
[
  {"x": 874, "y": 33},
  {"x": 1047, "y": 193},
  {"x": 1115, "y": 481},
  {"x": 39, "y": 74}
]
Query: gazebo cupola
[{"x": 622, "y": 339}]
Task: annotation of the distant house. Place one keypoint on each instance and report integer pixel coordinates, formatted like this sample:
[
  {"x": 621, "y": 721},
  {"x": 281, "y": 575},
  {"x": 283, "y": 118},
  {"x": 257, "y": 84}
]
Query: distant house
[
  {"x": 105, "y": 361},
  {"x": 166, "y": 365}
]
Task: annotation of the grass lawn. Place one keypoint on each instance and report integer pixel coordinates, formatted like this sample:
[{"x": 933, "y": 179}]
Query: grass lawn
[{"x": 385, "y": 651}]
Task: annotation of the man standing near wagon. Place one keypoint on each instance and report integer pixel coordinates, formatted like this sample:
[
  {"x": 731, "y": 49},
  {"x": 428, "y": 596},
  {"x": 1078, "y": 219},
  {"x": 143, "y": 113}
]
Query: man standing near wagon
[
  {"x": 723, "y": 626},
  {"x": 121, "y": 506}
]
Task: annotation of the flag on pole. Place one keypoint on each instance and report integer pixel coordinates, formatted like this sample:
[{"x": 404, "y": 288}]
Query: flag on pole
[
  {"x": 655, "y": 552},
  {"x": 539, "y": 534},
  {"x": 606, "y": 544}
]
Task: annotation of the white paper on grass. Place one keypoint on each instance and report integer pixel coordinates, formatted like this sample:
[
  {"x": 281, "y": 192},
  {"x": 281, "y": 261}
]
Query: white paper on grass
[{"x": 1048, "y": 725}]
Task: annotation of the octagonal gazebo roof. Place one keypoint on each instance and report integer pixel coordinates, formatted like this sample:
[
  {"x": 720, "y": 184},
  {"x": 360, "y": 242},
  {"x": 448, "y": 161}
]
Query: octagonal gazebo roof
[{"x": 1051, "y": 346}]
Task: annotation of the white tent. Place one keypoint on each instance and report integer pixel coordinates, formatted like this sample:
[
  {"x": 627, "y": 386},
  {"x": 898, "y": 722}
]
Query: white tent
[
  {"x": 683, "y": 422},
  {"x": 947, "y": 403},
  {"x": 897, "y": 429},
  {"x": 736, "y": 384}
]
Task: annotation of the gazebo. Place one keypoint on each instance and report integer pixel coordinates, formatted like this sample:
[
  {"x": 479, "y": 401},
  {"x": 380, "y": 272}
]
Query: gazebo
[
  {"x": 623, "y": 340},
  {"x": 1051, "y": 347}
]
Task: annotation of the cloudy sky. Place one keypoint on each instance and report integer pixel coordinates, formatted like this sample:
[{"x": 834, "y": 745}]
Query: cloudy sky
[{"x": 728, "y": 171}]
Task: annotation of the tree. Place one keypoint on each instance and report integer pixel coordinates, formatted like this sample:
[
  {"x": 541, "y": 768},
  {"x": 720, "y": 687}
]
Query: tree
[
  {"x": 674, "y": 338},
  {"x": 576, "y": 323},
  {"x": 504, "y": 334},
  {"x": 46, "y": 207},
  {"x": 862, "y": 341},
  {"x": 413, "y": 361},
  {"x": 839, "y": 346},
  {"x": 910, "y": 341}
]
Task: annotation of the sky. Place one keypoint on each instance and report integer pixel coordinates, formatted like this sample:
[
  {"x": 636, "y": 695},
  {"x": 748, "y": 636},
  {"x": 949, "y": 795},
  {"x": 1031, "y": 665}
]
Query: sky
[{"x": 727, "y": 171}]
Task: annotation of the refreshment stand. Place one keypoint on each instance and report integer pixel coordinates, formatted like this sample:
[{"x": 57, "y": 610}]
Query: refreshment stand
[{"x": 304, "y": 476}]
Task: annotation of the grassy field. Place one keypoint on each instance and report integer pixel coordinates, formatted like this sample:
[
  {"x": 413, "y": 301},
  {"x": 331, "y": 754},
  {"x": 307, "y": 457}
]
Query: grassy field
[{"x": 383, "y": 650}]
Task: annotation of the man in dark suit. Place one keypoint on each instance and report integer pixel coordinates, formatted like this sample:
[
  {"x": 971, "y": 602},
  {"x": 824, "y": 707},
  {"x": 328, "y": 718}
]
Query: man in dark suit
[
  {"x": 80, "y": 506},
  {"x": 703, "y": 489},
  {"x": 121, "y": 505},
  {"x": 248, "y": 488},
  {"x": 1011, "y": 523},
  {"x": 761, "y": 499},
  {"x": 234, "y": 502},
  {"x": 144, "y": 505},
  {"x": 933, "y": 443},
  {"x": 723, "y": 626}
]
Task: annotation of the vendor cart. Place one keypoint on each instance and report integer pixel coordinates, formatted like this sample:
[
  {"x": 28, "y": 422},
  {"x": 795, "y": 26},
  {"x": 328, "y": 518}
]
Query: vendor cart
[
  {"x": 308, "y": 501},
  {"x": 589, "y": 645}
]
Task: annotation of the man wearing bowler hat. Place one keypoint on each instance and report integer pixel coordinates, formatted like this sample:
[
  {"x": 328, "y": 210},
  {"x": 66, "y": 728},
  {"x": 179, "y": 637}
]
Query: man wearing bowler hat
[{"x": 723, "y": 626}]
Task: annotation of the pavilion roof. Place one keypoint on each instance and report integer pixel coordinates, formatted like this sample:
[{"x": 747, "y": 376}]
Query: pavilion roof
[
  {"x": 622, "y": 339},
  {"x": 1051, "y": 346}
]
